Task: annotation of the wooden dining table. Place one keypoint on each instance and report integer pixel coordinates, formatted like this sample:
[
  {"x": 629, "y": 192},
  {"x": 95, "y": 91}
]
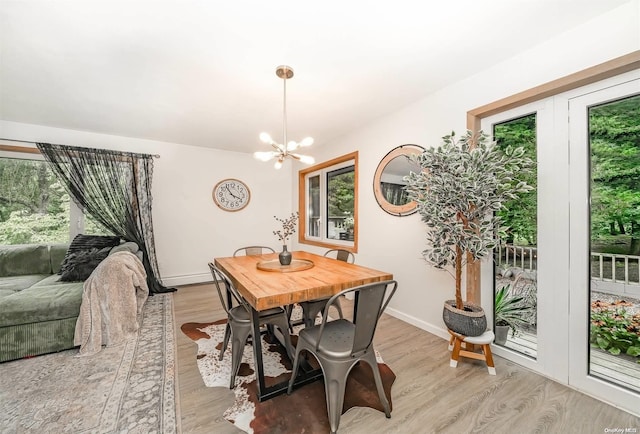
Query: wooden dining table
[{"x": 265, "y": 284}]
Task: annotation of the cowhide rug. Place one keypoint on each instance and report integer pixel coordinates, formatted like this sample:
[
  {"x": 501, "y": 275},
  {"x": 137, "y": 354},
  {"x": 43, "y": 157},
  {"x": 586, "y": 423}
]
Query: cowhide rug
[{"x": 304, "y": 411}]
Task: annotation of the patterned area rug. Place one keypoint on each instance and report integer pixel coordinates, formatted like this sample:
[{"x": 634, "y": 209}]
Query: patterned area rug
[
  {"x": 126, "y": 389},
  {"x": 304, "y": 411}
]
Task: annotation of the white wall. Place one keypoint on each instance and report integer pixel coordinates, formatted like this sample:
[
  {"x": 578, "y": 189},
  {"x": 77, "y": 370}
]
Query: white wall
[
  {"x": 394, "y": 243},
  {"x": 190, "y": 230}
]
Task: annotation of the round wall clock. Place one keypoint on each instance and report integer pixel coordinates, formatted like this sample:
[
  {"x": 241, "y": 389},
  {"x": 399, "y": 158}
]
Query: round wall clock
[{"x": 231, "y": 194}]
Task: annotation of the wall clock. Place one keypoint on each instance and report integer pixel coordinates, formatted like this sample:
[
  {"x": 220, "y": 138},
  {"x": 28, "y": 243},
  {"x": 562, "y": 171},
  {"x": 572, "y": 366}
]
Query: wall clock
[{"x": 231, "y": 194}]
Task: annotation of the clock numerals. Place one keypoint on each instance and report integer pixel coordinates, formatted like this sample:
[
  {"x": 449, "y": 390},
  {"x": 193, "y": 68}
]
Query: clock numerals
[{"x": 231, "y": 195}]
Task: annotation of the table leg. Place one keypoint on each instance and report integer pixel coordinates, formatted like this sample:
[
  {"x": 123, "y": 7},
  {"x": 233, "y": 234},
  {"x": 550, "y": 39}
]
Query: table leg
[{"x": 257, "y": 353}]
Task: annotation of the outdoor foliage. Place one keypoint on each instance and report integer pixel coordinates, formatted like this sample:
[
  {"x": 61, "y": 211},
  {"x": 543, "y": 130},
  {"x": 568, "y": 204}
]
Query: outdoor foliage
[
  {"x": 34, "y": 207},
  {"x": 615, "y": 171},
  {"x": 519, "y": 217},
  {"x": 340, "y": 194},
  {"x": 614, "y": 330}
]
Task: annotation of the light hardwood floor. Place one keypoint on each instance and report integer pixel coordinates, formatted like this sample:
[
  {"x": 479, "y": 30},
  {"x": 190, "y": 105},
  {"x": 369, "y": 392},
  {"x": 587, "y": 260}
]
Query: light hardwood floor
[{"x": 428, "y": 396}]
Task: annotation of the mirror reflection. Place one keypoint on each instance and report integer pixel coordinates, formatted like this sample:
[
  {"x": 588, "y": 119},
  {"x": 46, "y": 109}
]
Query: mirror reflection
[
  {"x": 388, "y": 184},
  {"x": 392, "y": 179}
]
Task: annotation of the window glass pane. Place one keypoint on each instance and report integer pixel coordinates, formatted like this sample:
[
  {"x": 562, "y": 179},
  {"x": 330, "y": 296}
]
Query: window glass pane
[
  {"x": 330, "y": 207},
  {"x": 340, "y": 211},
  {"x": 92, "y": 227},
  {"x": 314, "y": 206},
  {"x": 516, "y": 257},
  {"x": 614, "y": 138},
  {"x": 34, "y": 207}
]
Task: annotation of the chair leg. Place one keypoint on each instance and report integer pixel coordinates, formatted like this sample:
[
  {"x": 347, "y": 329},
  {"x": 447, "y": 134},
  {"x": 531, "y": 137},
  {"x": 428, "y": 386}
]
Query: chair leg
[
  {"x": 371, "y": 360},
  {"x": 309, "y": 312},
  {"x": 294, "y": 369},
  {"x": 237, "y": 349},
  {"x": 283, "y": 324},
  {"x": 225, "y": 342},
  {"x": 335, "y": 382}
]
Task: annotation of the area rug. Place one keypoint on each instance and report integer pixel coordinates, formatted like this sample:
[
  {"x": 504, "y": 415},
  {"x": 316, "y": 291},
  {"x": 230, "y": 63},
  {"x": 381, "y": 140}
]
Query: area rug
[
  {"x": 304, "y": 411},
  {"x": 128, "y": 388}
]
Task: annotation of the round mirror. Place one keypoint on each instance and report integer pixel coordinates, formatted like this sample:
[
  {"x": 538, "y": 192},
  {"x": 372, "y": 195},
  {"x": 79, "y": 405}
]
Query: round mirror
[{"x": 388, "y": 182}]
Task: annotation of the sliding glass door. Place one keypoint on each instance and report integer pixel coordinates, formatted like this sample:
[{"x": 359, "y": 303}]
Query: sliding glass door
[
  {"x": 571, "y": 254},
  {"x": 604, "y": 138}
]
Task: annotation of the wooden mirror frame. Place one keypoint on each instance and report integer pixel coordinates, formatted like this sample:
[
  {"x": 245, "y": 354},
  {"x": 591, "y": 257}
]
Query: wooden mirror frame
[{"x": 396, "y": 210}]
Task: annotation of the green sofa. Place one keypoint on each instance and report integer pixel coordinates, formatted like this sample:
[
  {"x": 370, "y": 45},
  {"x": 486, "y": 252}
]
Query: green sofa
[{"x": 38, "y": 312}]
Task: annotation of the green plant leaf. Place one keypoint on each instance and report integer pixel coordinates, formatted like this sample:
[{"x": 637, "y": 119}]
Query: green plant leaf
[{"x": 633, "y": 351}]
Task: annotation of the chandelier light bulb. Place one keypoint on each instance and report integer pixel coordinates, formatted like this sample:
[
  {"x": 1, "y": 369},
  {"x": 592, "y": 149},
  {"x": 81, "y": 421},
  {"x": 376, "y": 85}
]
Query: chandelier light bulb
[
  {"x": 307, "y": 141},
  {"x": 278, "y": 164},
  {"x": 264, "y": 156},
  {"x": 306, "y": 159},
  {"x": 292, "y": 146},
  {"x": 266, "y": 138}
]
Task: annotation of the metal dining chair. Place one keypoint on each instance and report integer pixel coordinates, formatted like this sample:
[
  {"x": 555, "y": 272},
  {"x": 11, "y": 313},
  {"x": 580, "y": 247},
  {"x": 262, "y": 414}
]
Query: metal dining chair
[
  {"x": 340, "y": 344},
  {"x": 311, "y": 309},
  {"x": 341, "y": 255},
  {"x": 253, "y": 250},
  {"x": 239, "y": 321}
]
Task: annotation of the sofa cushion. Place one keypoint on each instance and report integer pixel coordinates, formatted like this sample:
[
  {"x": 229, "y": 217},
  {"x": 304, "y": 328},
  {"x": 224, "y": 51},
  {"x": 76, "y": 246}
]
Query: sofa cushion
[
  {"x": 42, "y": 303},
  {"x": 57, "y": 252},
  {"x": 19, "y": 260},
  {"x": 50, "y": 280},
  {"x": 80, "y": 264},
  {"x": 18, "y": 283}
]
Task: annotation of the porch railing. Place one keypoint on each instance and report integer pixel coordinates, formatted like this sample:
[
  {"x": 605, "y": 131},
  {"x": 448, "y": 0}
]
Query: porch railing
[
  {"x": 612, "y": 273},
  {"x": 524, "y": 257},
  {"x": 609, "y": 267}
]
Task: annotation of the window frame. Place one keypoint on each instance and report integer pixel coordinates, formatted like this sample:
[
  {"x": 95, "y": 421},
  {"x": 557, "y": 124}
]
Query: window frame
[{"x": 322, "y": 169}]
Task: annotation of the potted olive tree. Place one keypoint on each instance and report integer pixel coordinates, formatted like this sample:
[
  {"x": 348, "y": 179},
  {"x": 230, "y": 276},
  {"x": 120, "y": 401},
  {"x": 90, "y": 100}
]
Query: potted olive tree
[{"x": 462, "y": 184}]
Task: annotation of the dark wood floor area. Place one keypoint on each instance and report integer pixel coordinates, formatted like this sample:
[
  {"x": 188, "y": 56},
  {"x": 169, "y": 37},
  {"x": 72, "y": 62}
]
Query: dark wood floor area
[{"x": 428, "y": 396}]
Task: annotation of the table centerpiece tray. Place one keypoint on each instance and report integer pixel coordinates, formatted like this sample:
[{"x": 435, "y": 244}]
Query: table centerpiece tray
[{"x": 275, "y": 265}]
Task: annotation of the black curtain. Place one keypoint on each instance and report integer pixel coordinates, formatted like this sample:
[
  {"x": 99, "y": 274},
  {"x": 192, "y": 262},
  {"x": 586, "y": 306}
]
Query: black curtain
[{"x": 115, "y": 189}]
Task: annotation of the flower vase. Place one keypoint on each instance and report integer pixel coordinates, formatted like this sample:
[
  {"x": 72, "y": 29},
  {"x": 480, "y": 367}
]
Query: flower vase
[{"x": 285, "y": 256}]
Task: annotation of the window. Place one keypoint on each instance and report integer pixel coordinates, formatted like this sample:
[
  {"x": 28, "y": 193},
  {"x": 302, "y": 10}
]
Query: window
[
  {"x": 328, "y": 203},
  {"x": 34, "y": 206}
]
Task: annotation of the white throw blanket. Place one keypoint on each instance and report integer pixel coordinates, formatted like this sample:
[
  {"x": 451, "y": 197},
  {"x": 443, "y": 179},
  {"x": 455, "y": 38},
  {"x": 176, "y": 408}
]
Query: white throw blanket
[{"x": 112, "y": 300}]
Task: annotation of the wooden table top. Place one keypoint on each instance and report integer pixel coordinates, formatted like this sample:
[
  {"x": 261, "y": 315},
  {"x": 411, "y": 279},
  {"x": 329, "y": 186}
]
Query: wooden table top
[{"x": 266, "y": 289}]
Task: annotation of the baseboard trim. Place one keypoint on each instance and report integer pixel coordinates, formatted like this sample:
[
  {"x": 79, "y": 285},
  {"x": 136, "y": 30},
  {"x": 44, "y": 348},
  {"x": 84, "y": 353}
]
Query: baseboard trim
[
  {"x": 187, "y": 279},
  {"x": 428, "y": 327}
]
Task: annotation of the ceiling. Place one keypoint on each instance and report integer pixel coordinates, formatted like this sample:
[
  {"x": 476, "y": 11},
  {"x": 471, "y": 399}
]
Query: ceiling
[{"x": 202, "y": 73}]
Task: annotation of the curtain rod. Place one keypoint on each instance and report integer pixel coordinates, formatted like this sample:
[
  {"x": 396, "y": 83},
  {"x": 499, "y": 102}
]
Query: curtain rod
[{"x": 33, "y": 143}]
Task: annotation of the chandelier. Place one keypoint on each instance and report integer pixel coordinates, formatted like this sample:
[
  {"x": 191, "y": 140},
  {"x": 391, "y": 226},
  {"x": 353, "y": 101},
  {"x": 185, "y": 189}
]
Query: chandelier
[{"x": 286, "y": 149}]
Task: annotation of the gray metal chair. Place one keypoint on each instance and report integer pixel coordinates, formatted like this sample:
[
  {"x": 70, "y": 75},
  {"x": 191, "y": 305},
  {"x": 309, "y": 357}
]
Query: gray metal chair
[
  {"x": 341, "y": 255},
  {"x": 311, "y": 309},
  {"x": 239, "y": 322},
  {"x": 253, "y": 250},
  {"x": 339, "y": 345}
]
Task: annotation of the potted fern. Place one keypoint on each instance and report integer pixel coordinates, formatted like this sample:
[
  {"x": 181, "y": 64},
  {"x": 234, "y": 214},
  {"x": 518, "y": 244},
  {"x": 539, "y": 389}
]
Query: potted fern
[
  {"x": 511, "y": 313},
  {"x": 462, "y": 185}
]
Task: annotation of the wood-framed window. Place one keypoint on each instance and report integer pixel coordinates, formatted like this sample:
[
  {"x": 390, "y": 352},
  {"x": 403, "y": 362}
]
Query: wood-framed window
[{"x": 328, "y": 203}]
